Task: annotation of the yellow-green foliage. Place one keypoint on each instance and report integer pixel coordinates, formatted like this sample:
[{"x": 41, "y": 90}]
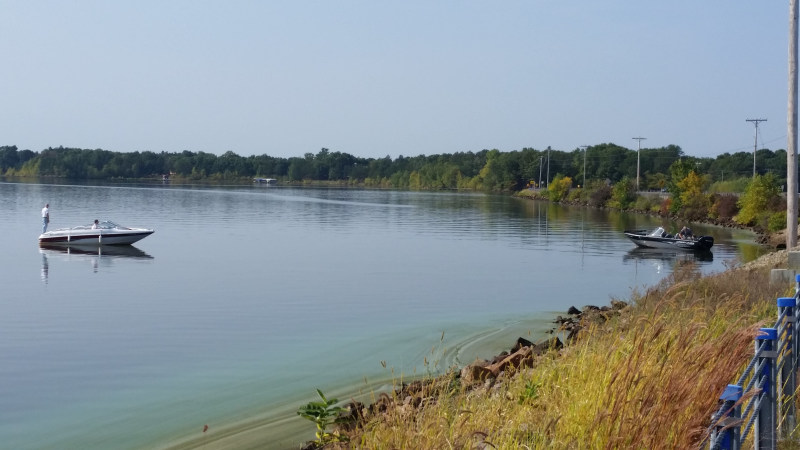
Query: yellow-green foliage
[
  {"x": 414, "y": 181},
  {"x": 576, "y": 195},
  {"x": 623, "y": 194},
  {"x": 559, "y": 187},
  {"x": 759, "y": 198},
  {"x": 694, "y": 203},
  {"x": 526, "y": 193},
  {"x": 29, "y": 169},
  {"x": 728, "y": 186},
  {"x": 647, "y": 203},
  {"x": 777, "y": 221},
  {"x": 648, "y": 379},
  {"x": 691, "y": 188}
]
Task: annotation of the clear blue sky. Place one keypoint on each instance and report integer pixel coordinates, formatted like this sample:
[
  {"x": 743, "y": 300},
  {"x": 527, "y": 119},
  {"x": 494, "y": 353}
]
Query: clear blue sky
[{"x": 376, "y": 78}]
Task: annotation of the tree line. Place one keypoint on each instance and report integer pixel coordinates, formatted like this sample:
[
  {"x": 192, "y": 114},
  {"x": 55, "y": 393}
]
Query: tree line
[
  {"x": 687, "y": 195},
  {"x": 489, "y": 170}
]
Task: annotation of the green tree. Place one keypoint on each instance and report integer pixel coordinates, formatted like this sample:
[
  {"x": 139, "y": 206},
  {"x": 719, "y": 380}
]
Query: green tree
[
  {"x": 760, "y": 199},
  {"x": 677, "y": 172},
  {"x": 655, "y": 181},
  {"x": 623, "y": 193},
  {"x": 695, "y": 203}
]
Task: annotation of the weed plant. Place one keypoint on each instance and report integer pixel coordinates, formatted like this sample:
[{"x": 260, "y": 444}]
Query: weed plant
[{"x": 648, "y": 378}]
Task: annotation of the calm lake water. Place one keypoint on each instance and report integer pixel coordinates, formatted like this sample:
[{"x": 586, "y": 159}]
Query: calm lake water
[{"x": 247, "y": 298}]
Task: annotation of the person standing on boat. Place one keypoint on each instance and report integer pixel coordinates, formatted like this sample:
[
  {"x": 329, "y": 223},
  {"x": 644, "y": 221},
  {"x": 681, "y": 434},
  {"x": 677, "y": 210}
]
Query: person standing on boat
[
  {"x": 95, "y": 224},
  {"x": 45, "y": 217}
]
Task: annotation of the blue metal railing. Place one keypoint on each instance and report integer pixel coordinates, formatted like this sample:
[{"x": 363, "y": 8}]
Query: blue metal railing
[{"x": 762, "y": 401}]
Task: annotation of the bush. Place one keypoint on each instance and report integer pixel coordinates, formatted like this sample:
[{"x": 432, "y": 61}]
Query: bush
[
  {"x": 599, "y": 195},
  {"x": 623, "y": 194},
  {"x": 559, "y": 187},
  {"x": 724, "y": 207},
  {"x": 575, "y": 195},
  {"x": 760, "y": 198},
  {"x": 666, "y": 207},
  {"x": 724, "y": 187},
  {"x": 777, "y": 221},
  {"x": 646, "y": 203}
]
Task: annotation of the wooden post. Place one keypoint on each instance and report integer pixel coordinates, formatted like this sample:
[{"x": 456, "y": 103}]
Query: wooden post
[{"x": 791, "y": 151}]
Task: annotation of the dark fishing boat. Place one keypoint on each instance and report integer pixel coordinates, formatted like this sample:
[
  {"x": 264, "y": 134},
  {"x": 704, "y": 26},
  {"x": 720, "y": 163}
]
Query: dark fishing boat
[{"x": 658, "y": 238}]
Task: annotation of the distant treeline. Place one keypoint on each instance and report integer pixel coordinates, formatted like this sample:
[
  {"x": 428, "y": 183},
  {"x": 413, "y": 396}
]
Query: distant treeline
[{"x": 490, "y": 170}]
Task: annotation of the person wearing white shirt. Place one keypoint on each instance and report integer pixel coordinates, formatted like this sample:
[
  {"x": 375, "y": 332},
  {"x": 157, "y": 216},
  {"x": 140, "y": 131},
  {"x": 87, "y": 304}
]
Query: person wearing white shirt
[{"x": 45, "y": 217}]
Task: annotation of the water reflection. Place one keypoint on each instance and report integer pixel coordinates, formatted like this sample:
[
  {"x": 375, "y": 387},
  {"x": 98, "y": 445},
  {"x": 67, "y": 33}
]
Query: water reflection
[
  {"x": 45, "y": 268},
  {"x": 96, "y": 256},
  {"x": 665, "y": 254}
]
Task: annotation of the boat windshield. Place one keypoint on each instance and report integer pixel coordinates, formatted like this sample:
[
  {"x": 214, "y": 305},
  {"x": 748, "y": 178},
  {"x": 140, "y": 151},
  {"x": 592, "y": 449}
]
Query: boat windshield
[
  {"x": 107, "y": 224},
  {"x": 657, "y": 232},
  {"x": 102, "y": 225}
]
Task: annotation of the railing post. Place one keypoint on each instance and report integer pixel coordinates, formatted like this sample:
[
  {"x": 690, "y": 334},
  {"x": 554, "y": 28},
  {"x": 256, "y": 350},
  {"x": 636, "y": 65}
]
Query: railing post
[
  {"x": 728, "y": 427},
  {"x": 796, "y": 331},
  {"x": 788, "y": 378},
  {"x": 765, "y": 425},
  {"x": 796, "y": 285}
]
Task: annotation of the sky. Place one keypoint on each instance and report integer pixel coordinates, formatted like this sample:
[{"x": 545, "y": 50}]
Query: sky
[{"x": 377, "y": 78}]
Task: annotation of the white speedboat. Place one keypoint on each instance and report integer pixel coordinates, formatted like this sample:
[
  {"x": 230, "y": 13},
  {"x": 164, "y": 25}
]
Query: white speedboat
[{"x": 103, "y": 233}]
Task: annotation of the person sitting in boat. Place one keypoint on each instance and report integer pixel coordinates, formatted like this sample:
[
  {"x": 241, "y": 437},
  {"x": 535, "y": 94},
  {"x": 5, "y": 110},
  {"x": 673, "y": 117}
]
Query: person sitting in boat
[
  {"x": 685, "y": 233},
  {"x": 95, "y": 224}
]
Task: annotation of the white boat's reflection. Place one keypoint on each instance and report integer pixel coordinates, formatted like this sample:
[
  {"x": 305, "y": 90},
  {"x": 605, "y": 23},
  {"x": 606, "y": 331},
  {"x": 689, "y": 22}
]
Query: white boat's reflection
[
  {"x": 125, "y": 251},
  {"x": 95, "y": 256},
  {"x": 661, "y": 254}
]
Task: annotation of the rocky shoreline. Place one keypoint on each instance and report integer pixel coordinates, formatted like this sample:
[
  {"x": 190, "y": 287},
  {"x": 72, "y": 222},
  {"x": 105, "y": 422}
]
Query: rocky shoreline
[{"x": 487, "y": 373}]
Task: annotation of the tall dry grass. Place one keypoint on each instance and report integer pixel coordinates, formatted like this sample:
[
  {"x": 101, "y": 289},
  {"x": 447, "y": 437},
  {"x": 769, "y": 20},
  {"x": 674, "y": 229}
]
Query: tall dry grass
[{"x": 647, "y": 379}]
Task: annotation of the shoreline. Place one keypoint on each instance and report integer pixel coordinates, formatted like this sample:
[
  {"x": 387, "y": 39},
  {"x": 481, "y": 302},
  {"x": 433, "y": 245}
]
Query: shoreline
[
  {"x": 499, "y": 373},
  {"x": 286, "y": 431},
  {"x": 281, "y": 428},
  {"x": 775, "y": 240}
]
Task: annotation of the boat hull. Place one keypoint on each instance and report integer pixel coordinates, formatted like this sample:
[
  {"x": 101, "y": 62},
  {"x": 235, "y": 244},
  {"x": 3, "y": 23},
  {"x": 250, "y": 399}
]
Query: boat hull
[
  {"x": 647, "y": 241},
  {"x": 107, "y": 238}
]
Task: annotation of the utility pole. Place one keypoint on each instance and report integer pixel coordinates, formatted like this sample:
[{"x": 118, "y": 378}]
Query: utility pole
[
  {"x": 637, "y": 161},
  {"x": 548, "y": 166},
  {"x": 585, "y": 148},
  {"x": 540, "y": 171},
  {"x": 791, "y": 153},
  {"x": 755, "y": 145}
]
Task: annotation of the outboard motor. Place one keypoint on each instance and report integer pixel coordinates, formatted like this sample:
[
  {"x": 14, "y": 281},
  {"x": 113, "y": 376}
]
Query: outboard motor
[{"x": 705, "y": 242}]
